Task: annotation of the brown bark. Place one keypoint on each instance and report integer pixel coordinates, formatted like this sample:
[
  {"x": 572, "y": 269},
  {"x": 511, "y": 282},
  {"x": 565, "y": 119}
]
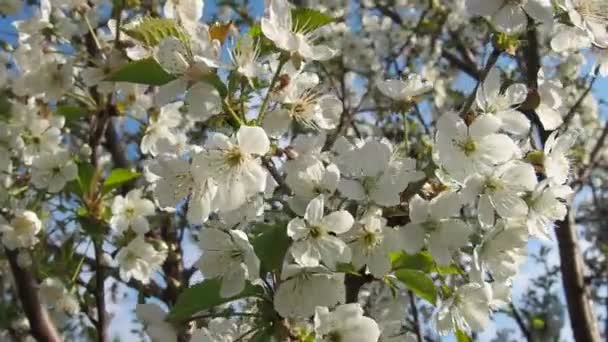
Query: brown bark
[
  {"x": 582, "y": 318},
  {"x": 41, "y": 326}
]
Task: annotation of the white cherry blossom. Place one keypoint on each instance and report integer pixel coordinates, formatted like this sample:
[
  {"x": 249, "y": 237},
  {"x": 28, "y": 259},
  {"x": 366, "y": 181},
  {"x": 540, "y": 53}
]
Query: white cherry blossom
[
  {"x": 228, "y": 255},
  {"x": 139, "y": 260},
  {"x": 313, "y": 241},
  {"x": 345, "y": 323},
  {"x": 292, "y": 36},
  {"x": 464, "y": 149},
  {"x": 21, "y": 231},
  {"x": 234, "y": 165},
  {"x": 130, "y": 212},
  {"x": 436, "y": 222},
  {"x": 304, "y": 288}
]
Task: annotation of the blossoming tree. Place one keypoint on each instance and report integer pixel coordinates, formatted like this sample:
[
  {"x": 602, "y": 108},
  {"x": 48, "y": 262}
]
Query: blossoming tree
[{"x": 308, "y": 171}]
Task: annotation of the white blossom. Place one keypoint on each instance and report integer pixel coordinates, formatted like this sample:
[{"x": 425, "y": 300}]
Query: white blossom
[
  {"x": 130, "y": 212},
  {"x": 139, "y": 260},
  {"x": 234, "y": 165},
  {"x": 304, "y": 288},
  {"x": 21, "y": 231},
  {"x": 228, "y": 255},
  {"x": 293, "y": 37},
  {"x": 436, "y": 222},
  {"x": 345, "y": 323},
  {"x": 313, "y": 241},
  {"x": 52, "y": 171}
]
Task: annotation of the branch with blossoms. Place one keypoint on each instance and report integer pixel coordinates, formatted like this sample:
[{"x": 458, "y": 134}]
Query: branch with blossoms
[{"x": 294, "y": 176}]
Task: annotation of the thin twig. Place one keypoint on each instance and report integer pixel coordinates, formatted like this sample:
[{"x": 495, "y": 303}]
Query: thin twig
[
  {"x": 482, "y": 77},
  {"x": 417, "y": 329},
  {"x": 520, "y": 322}
]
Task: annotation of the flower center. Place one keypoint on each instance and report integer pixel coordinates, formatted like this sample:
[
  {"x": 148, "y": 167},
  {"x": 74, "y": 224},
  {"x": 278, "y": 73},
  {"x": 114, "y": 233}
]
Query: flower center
[
  {"x": 492, "y": 185},
  {"x": 468, "y": 146},
  {"x": 371, "y": 240},
  {"x": 316, "y": 232},
  {"x": 234, "y": 157},
  {"x": 130, "y": 212}
]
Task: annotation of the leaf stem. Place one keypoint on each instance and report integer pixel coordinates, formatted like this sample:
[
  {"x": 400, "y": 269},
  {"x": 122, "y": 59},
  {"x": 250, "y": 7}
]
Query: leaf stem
[{"x": 274, "y": 80}]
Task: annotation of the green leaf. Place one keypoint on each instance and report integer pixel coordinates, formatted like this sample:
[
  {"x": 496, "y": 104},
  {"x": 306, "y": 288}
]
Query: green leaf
[
  {"x": 419, "y": 283},
  {"x": 151, "y": 31},
  {"x": 117, "y": 178},
  {"x": 271, "y": 245},
  {"x": 86, "y": 174},
  {"x": 71, "y": 112},
  {"x": 309, "y": 18},
  {"x": 449, "y": 269},
  {"x": 216, "y": 82},
  {"x": 144, "y": 71},
  {"x": 462, "y": 336},
  {"x": 422, "y": 261},
  {"x": 204, "y": 296},
  {"x": 5, "y": 106},
  {"x": 263, "y": 335}
]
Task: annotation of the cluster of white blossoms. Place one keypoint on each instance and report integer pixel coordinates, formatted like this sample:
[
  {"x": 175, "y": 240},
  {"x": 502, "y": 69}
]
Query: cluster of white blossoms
[{"x": 248, "y": 145}]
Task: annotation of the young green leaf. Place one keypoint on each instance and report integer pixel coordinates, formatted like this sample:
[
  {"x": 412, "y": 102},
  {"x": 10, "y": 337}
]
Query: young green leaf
[
  {"x": 271, "y": 245},
  {"x": 117, "y": 178},
  {"x": 151, "y": 31},
  {"x": 422, "y": 261},
  {"x": 462, "y": 336},
  {"x": 71, "y": 112},
  {"x": 419, "y": 283},
  {"x": 309, "y": 18},
  {"x": 204, "y": 296},
  {"x": 144, "y": 71}
]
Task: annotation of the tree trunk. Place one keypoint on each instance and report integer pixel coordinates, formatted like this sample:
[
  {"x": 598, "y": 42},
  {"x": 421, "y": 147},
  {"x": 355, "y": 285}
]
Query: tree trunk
[
  {"x": 41, "y": 326},
  {"x": 582, "y": 319}
]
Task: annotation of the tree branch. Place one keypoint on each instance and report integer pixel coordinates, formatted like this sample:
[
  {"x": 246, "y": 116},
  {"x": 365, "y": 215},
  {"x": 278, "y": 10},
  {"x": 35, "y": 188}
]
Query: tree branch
[
  {"x": 41, "y": 326},
  {"x": 582, "y": 319},
  {"x": 520, "y": 322}
]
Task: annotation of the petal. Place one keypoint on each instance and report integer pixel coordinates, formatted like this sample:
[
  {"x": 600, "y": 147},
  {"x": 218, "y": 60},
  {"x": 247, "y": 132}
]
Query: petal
[
  {"x": 549, "y": 117},
  {"x": 510, "y": 18},
  {"x": 446, "y": 204},
  {"x": 297, "y": 229},
  {"x": 498, "y": 148},
  {"x": 513, "y": 121},
  {"x": 233, "y": 282},
  {"x": 485, "y": 211},
  {"x": 542, "y": 12},
  {"x": 352, "y": 189},
  {"x": 276, "y": 122},
  {"x": 170, "y": 92},
  {"x": 520, "y": 176},
  {"x": 483, "y": 7},
  {"x": 489, "y": 90},
  {"x": 392, "y": 88},
  {"x": 333, "y": 251},
  {"x": 419, "y": 209},
  {"x": 509, "y": 204},
  {"x": 484, "y": 125},
  {"x": 412, "y": 237},
  {"x": 338, "y": 222},
  {"x": 305, "y": 253},
  {"x": 516, "y": 94},
  {"x": 253, "y": 140},
  {"x": 314, "y": 210}
]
